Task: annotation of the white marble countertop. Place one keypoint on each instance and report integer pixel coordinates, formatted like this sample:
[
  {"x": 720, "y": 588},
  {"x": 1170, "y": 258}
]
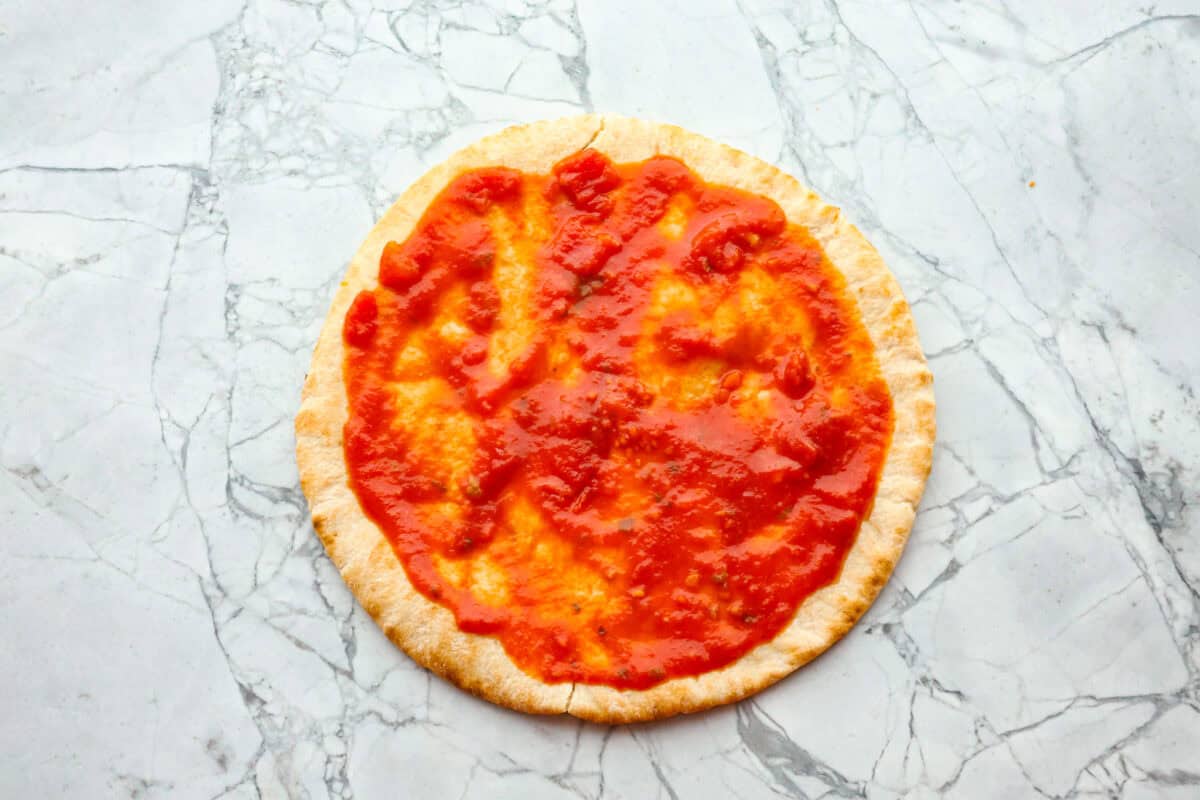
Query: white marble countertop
[{"x": 181, "y": 185}]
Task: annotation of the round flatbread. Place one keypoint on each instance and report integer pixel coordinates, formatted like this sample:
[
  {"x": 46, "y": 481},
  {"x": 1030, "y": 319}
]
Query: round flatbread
[{"x": 612, "y": 420}]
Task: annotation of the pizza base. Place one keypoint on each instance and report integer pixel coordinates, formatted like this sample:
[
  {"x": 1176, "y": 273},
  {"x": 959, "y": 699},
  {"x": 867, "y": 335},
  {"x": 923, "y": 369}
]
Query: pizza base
[{"x": 427, "y": 631}]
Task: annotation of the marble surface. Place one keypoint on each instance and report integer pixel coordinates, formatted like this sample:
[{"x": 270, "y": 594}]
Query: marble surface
[{"x": 181, "y": 185}]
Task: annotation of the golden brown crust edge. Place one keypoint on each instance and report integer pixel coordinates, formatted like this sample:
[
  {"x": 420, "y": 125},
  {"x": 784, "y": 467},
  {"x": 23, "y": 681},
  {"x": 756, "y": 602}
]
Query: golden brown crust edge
[{"x": 428, "y": 632}]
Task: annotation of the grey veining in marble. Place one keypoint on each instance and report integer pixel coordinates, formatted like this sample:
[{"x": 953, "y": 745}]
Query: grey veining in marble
[{"x": 181, "y": 185}]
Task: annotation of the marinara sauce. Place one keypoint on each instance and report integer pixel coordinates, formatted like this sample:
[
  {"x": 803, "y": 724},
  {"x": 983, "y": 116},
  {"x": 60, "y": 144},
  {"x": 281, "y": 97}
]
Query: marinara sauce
[{"x": 621, "y": 419}]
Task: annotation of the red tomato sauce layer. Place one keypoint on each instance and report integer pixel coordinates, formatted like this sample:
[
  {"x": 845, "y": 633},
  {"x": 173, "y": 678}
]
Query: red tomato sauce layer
[{"x": 621, "y": 419}]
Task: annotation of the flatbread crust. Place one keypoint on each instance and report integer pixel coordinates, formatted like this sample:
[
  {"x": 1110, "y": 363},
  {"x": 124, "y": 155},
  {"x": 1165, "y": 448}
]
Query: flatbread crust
[{"x": 428, "y": 631}]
